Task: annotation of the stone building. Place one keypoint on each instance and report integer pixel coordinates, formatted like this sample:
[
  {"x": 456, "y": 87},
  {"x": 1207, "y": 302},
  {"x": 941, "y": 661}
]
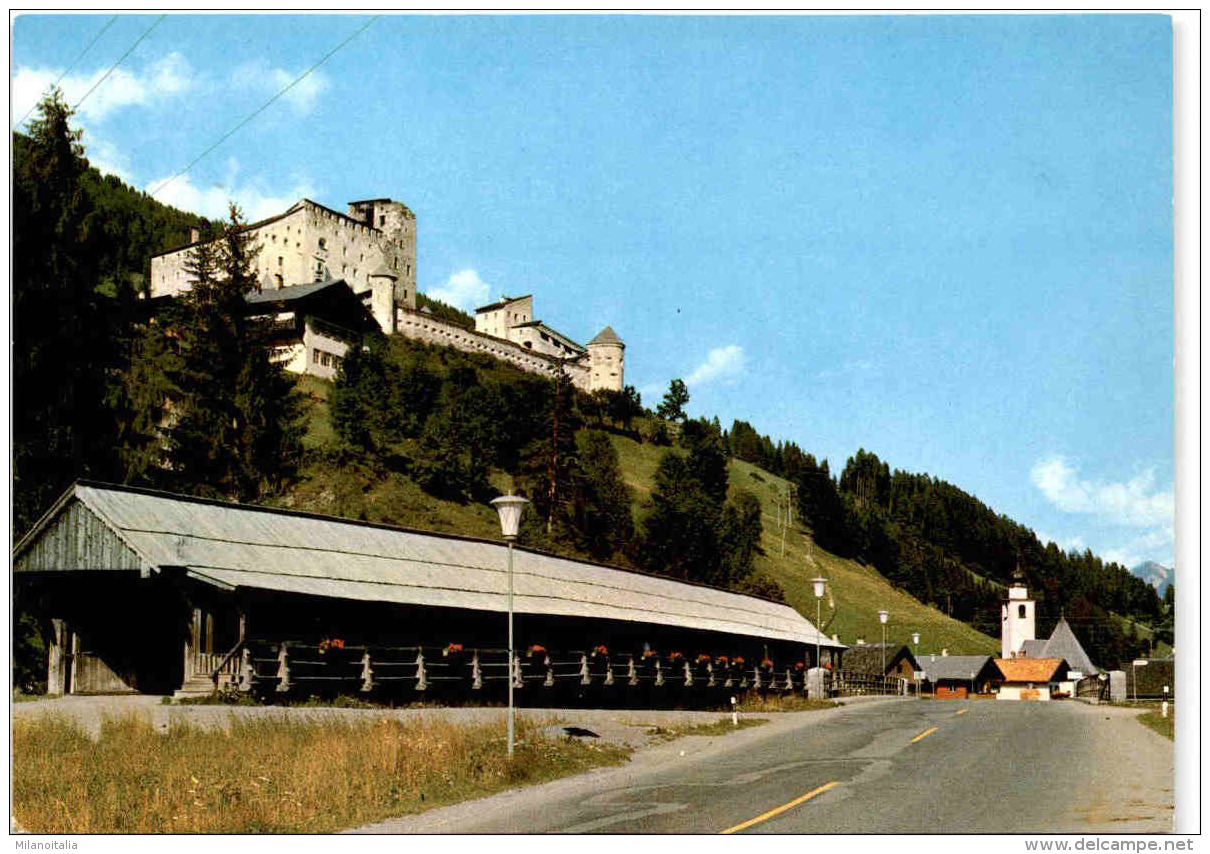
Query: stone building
[
  {"x": 371, "y": 252},
  {"x": 372, "y": 248}
]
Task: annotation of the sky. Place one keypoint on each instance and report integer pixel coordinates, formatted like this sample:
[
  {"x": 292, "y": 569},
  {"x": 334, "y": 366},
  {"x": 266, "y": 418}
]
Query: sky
[{"x": 947, "y": 240}]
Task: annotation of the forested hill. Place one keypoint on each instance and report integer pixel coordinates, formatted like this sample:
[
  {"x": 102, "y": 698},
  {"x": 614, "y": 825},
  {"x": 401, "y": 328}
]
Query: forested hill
[
  {"x": 122, "y": 227},
  {"x": 943, "y": 545}
]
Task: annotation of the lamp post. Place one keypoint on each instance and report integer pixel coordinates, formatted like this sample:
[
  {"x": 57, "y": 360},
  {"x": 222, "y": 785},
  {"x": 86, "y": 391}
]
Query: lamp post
[
  {"x": 916, "y": 655},
  {"x": 819, "y": 583},
  {"x": 882, "y": 615},
  {"x": 510, "y": 507}
]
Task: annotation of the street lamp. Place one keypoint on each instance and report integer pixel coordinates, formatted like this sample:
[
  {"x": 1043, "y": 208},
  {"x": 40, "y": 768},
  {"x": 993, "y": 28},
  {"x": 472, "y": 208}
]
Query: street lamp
[
  {"x": 818, "y": 583},
  {"x": 510, "y": 507},
  {"x": 916, "y": 652},
  {"x": 882, "y": 615}
]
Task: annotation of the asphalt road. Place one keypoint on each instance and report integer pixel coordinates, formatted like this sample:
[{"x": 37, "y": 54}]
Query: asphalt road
[{"x": 902, "y": 766}]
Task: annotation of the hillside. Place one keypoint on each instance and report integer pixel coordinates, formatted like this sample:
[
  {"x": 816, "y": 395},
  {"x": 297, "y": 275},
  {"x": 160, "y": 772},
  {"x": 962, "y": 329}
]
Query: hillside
[{"x": 344, "y": 487}]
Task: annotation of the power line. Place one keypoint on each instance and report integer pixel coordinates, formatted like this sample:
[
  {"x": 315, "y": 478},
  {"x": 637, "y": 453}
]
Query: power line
[
  {"x": 119, "y": 62},
  {"x": 68, "y": 69},
  {"x": 265, "y": 105}
]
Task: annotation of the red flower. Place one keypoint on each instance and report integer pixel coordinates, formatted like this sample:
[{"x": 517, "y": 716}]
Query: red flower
[
  {"x": 767, "y": 664},
  {"x": 675, "y": 656},
  {"x": 703, "y": 659},
  {"x": 600, "y": 649},
  {"x": 722, "y": 659},
  {"x": 649, "y": 653},
  {"x": 453, "y": 648},
  {"x": 739, "y": 661},
  {"x": 536, "y": 648}
]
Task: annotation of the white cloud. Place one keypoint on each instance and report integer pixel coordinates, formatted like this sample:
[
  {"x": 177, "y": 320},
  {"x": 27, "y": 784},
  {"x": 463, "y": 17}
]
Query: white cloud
[
  {"x": 1136, "y": 502},
  {"x": 1066, "y": 545},
  {"x": 1154, "y": 545},
  {"x": 258, "y": 76},
  {"x": 212, "y": 201},
  {"x": 163, "y": 79},
  {"x": 721, "y": 362},
  {"x": 464, "y": 290}
]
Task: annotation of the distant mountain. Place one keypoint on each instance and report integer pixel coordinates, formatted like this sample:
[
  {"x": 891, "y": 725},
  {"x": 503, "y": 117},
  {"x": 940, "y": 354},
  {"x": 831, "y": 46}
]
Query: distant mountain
[{"x": 1155, "y": 574}]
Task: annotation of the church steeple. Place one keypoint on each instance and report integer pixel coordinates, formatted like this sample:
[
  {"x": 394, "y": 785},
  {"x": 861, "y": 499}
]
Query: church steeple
[{"x": 1017, "y": 616}]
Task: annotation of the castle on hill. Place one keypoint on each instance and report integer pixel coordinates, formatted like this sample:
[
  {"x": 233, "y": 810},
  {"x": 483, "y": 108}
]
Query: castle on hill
[{"x": 327, "y": 277}]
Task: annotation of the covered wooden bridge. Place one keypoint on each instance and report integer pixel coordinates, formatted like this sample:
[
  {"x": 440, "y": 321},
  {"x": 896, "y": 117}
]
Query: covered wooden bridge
[{"x": 153, "y": 592}]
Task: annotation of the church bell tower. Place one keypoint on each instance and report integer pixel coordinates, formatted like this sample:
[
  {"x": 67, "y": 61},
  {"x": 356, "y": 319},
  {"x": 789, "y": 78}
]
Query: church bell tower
[{"x": 1016, "y": 617}]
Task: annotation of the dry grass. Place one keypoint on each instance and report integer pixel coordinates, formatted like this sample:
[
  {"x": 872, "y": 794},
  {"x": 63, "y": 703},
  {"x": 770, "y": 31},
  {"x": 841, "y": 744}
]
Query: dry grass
[
  {"x": 273, "y": 776},
  {"x": 753, "y": 702}
]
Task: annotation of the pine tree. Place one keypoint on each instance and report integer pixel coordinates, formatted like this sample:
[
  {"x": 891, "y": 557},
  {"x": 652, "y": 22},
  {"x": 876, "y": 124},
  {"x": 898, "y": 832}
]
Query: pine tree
[
  {"x": 233, "y": 421},
  {"x": 63, "y": 349},
  {"x": 672, "y": 407},
  {"x": 601, "y": 499}
]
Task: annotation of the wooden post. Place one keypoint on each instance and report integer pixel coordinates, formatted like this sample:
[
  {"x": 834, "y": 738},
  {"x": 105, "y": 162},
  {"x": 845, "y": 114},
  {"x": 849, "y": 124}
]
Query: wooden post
[
  {"x": 283, "y": 670},
  {"x": 710, "y": 674},
  {"x": 476, "y": 673},
  {"x": 246, "y": 674},
  {"x": 608, "y": 671},
  {"x": 659, "y": 674},
  {"x": 518, "y": 681},
  {"x": 367, "y": 673},
  {"x": 57, "y": 663},
  {"x": 421, "y": 676},
  {"x": 688, "y": 675},
  {"x": 585, "y": 678},
  {"x": 756, "y": 678},
  {"x": 633, "y": 673},
  {"x": 549, "y": 682}
]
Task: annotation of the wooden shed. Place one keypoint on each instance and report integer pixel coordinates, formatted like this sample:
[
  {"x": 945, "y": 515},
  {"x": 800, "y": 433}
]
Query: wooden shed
[{"x": 148, "y": 591}]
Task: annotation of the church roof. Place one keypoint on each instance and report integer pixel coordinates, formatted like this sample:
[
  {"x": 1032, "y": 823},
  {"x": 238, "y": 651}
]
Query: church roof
[
  {"x": 1034, "y": 648},
  {"x": 606, "y": 336},
  {"x": 1064, "y": 644}
]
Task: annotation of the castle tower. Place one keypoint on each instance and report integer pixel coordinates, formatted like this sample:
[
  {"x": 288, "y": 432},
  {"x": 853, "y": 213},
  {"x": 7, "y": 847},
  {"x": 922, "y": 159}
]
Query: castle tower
[
  {"x": 607, "y": 353},
  {"x": 382, "y": 297},
  {"x": 397, "y": 225},
  {"x": 1016, "y": 617}
]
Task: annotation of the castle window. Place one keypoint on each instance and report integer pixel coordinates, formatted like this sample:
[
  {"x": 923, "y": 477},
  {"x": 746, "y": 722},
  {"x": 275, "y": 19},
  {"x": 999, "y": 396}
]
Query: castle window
[
  {"x": 382, "y": 220},
  {"x": 1021, "y": 611},
  {"x": 315, "y": 355},
  {"x": 323, "y": 244},
  {"x": 279, "y": 260},
  {"x": 278, "y": 278}
]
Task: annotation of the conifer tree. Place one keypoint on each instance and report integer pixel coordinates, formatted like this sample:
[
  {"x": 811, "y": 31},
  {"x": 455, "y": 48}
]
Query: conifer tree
[
  {"x": 233, "y": 415},
  {"x": 63, "y": 351},
  {"x": 672, "y": 407}
]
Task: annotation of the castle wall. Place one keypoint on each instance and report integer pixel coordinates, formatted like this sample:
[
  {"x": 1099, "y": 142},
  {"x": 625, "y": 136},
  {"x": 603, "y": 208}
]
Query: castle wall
[
  {"x": 310, "y": 243},
  {"x": 424, "y": 327}
]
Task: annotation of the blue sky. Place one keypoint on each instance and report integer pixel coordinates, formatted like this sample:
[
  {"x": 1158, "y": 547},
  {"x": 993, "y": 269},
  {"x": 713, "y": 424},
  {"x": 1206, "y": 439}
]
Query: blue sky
[{"x": 945, "y": 239}]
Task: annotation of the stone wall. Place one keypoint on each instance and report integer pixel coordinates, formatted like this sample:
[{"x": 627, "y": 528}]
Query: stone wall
[
  {"x": 311, "y": 242},
  {"x": 424, "y": 327}
]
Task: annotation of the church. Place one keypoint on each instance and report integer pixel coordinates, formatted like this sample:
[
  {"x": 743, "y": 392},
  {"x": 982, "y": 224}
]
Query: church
[{"x": 1018, "y": 641}]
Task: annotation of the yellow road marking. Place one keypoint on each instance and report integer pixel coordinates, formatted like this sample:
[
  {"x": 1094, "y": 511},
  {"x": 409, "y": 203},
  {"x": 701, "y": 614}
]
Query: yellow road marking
[
  {"x": 924, "y": 734},
  {"x": 781, "y": 809},
  {"x": 963, "y": 711}
]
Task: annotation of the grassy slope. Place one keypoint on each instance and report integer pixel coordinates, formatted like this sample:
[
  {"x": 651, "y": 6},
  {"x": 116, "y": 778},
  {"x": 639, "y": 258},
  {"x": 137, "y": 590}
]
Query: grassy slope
[{"x": 859, "y": 591}]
